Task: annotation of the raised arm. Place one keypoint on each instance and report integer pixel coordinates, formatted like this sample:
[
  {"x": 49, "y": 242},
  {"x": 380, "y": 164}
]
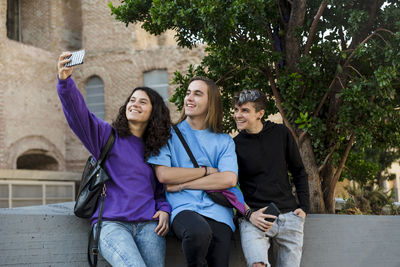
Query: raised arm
[{"x": 92, "y": 131}]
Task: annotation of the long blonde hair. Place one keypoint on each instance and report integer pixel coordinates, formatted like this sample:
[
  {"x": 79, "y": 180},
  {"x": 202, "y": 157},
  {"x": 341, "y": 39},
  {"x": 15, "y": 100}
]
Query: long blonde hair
[{"x": 213, "y": 119}]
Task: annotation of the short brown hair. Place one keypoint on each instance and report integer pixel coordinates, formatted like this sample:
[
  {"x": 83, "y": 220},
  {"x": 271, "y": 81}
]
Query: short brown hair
[{"x": 254, "y": 96}]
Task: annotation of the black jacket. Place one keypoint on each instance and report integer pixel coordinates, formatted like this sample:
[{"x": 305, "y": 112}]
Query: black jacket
[{"x": 264, "y": 160}]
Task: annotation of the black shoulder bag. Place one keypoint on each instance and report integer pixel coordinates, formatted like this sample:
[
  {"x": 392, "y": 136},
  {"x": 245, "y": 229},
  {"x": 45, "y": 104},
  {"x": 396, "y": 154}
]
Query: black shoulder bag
[
  {"x": 91, "y": 188},
  {"x": 217, "y": 197}
]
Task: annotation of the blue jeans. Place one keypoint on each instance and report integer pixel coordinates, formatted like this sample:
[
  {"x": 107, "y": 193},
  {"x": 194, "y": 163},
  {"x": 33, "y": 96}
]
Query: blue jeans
[
  {"x": 131, "y": 244},
  {"x": 287, "y": 235}
]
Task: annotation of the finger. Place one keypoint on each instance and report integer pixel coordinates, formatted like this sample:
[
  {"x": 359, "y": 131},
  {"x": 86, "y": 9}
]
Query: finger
[
  {"x": 156, "y": 215},
  {"x": 269, "y": 225},
  {"x": 265, "y": 225},
  {"x": 64, "y": 54},
  {"x": 263, "y": 209},
  {"x": 262, "y": 227},
  {"x": 159, "y": 226},
  {"x": 263, "y": 218},
  {"x": 270, "y": 216},
  {"x": 161, "y": 230},
  {"x": 164, "y": 232},
  {"x": 63, "y": 62},
  {"x": 61, "y": 65}
]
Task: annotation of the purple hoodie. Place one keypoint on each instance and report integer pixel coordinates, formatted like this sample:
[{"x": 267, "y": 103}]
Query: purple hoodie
[{"x": 133, "y": 192}]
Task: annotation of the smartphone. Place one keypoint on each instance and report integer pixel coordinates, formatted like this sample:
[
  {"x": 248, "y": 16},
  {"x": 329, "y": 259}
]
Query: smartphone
[
  {"x": 76, "y": 58},
  {"x": 272, "y": 209}
]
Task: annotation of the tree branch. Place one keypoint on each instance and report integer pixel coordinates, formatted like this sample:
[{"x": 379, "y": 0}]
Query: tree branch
[
  {"x": 324, "y": 97},
  {"x": 386, "y": 42},
  {"x": 333, "y": 148},
  {"x": 342, "y": 162},
  {"x": 342, "y": 40},
  {"x": 351, "y": 67},
  {"x": 340, "y": 81},
  {"x": 301, "y": 137},
  {"x": 230, "y": 71},
  {"x": 346, "y": 64},
  {"x": 278, "y": 101},
  {"x": 364, "y": 41},
  {"x": 314, "y": 26},
  {"x": 271, "y": 37}
]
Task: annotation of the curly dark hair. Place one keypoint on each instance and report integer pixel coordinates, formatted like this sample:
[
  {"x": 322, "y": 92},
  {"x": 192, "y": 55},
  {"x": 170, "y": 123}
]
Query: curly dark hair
[{"x": 158, "y": 129}]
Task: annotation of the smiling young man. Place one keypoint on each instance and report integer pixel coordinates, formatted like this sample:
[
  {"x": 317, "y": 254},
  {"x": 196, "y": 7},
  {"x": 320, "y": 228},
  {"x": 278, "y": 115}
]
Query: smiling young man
[
  {"x": 266, "y": 152},
  {"x": 204, "y": 227}
]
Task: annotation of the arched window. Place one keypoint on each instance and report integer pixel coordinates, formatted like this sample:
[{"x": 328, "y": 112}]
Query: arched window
[
  {"x": 157, "y": 80},
  {"x": 95, "y": 96}
]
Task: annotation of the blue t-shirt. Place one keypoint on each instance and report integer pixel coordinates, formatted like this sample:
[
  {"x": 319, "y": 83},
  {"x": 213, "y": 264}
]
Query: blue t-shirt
[{"x": 209, "y": 149}]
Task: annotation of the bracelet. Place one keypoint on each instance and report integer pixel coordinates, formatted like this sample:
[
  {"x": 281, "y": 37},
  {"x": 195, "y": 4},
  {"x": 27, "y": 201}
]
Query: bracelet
[
  {"x": 179, "y": 188},
  {"x": 248, "y": 214},
  {"x": 206, "y": 173}
]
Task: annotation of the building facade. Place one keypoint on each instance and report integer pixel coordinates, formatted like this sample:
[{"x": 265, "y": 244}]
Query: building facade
[{"x": 34, "y": 135}]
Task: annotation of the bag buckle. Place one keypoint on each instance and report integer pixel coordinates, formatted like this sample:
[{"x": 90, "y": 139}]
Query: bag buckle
[
  {"x": 95, "y": 251},
  {"x": 103, "y": 193}
]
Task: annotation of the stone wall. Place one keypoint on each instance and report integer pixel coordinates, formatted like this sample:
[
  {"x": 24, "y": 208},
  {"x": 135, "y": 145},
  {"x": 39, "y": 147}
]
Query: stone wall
[{"x": 52, "y": 236}]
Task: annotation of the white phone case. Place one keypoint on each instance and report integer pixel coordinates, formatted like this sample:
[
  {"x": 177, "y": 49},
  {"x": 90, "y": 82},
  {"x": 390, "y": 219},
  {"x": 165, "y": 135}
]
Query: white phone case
[{"x": 76, "y": 58}]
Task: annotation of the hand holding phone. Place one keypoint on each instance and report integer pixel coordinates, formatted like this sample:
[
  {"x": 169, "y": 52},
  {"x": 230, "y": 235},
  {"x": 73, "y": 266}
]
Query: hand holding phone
[
  {"x": 272, "y": 209},
  {"x": 76, "y": 58}
]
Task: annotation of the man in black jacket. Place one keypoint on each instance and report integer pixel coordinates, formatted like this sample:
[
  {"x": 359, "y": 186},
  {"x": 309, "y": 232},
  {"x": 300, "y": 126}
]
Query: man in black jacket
[{"x": 266, "y": 152}]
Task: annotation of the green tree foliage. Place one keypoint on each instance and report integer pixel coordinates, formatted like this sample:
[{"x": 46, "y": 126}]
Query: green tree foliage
[{"x": 331, "y": 68}]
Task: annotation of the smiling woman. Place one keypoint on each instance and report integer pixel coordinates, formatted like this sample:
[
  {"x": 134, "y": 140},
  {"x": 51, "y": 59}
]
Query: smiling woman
[
  {"x": 139, "y": 107},
  {"x": 144, "y": 110},
  {"x": 134, "y": 198}
]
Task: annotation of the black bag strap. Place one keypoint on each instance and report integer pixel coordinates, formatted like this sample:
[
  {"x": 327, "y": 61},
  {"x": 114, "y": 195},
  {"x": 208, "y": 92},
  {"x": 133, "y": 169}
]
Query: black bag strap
[
  {"x": 185, "y": 145},
  {"x": 107, "y": 148},
  {"x": 95, "y": 249}
]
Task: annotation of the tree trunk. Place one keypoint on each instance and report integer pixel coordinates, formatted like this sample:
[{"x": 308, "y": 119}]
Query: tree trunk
[
  {"x": 329, "y": 193},
  {"x": 292, "y": 38},
  {"x": 317, "y": 204}
]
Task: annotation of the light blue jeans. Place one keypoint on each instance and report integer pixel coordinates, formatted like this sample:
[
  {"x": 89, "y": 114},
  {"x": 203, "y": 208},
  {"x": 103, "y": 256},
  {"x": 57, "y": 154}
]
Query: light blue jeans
[
  {"x": 131, "y": 244},
  {"x": 286, "y": 235}
]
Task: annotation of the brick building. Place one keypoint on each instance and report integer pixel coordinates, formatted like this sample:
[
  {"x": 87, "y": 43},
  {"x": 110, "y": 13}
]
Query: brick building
[{"x": 34, "y": 135}]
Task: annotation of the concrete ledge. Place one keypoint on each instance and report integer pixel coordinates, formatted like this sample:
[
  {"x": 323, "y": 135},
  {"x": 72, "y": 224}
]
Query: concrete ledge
[
  {"x": 12, "y": 174},
  {"x": 52, "y": 236},
  {"x": 351, "y": 241}
]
